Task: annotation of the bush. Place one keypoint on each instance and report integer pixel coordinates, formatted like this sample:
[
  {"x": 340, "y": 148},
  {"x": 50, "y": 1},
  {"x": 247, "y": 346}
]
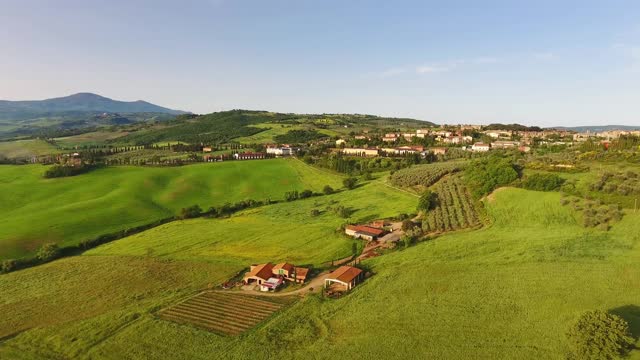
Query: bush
[
  {"x": 543, "y": 182},
  {"x": 64, "y": 170},
  {"x": 427, "y": 201},
  {"x": 306, "y": 194},
  {"x": 9, "y": 265},
  {"x": 327, "y": 190},
  {"x": 486, "y": 174},
  {"x": 190, "y": 212},
  {"x": 48, "y": 252},
  {"x": 600, "y": 335},
  {"x": 291, "y": 195},
  {"x": 350, "y": 183}
]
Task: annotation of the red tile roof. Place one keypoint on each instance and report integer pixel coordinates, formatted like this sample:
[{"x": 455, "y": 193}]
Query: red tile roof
[
  {"x": 368, "y": 230},
  {"x": 285, "y": 266},
  {"x": 262, "y": 271},
  {"x": 301, "y": 273},
  {"x": 345, "y": 273}
]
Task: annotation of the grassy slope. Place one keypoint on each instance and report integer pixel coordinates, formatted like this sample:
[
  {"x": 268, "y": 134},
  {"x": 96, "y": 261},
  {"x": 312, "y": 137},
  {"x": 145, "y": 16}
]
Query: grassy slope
[
  {"x": 89, "y": 139},
  {"x": 76, "y": 306},
  {"x": 26, "y": 148},
  {"x": 67, "y": 210},
  {"x": 508, "y": 291}
]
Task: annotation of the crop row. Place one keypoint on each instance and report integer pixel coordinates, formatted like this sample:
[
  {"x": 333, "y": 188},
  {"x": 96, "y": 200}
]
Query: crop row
[
  {"x": 454, "y": 208},
  {"x": 221, "y": 313},
  {"x": 423, "y": 175}
]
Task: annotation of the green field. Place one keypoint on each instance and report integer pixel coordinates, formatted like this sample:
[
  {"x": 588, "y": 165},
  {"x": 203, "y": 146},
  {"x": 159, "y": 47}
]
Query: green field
[
  {"x": 507, "y": 291},
  {"x": 274, "y": 129},
  {"x": 26, "y": 148},
  {"x": 89, "y": 139},
  {"x": 67, "y": 210},
  {"x": 92, "y": 299}
]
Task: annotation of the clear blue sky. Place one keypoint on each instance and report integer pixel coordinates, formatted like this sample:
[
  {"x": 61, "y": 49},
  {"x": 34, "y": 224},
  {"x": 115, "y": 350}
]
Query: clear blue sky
[{"x": 535, "y": 62}]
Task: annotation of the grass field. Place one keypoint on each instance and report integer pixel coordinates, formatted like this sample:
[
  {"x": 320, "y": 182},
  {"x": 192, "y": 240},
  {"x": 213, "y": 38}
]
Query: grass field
[
  {"x": 274, "y": 129},
  {"x": 26, "y": 148},
  {"x": 507, "y": 291},
  {"x": 67, "y": 210},
  {"x": 89, "y": 139},
  {"x": 97, "y": 298}
]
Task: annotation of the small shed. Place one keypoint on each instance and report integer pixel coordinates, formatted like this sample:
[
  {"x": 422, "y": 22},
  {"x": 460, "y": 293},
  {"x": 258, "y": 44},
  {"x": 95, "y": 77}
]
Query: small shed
[{"x": 347, "y": 276}]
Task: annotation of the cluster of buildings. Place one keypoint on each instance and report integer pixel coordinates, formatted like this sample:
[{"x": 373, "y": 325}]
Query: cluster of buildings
[
  {"x": 269, "y": 277},
  {"x": 605, "y": 135}
]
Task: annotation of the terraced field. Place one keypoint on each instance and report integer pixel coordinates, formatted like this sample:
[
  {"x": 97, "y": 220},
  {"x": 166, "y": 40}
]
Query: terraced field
[{"x": 221, "y": 313}]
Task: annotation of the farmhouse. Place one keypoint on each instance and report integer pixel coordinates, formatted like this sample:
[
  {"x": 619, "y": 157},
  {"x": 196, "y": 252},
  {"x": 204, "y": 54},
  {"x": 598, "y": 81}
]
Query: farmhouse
[
  {"x": 363, "y": 232},
  {"x": 480, "y": 147},
  {"x": 505, "y": 144},
  {"x": 259, "y": 273},
  {"x": 346, "y": 276},
  {"x": 248, "y": 156},
  {"x": 439, "y": 150},
  {"x": 207, "y": 149},
  {"x": 272, "y": 276},
  {"x": 361, "y": 151},
  {"x": 280, "y": 151}
]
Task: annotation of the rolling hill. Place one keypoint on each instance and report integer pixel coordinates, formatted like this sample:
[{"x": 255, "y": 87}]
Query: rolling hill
[{"x": 81, "y": 102}]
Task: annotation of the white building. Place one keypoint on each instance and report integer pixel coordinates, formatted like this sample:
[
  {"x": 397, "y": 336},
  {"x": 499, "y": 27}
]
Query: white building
[
  {"x": 280, "y": 151},
  {"x": 360, "y": 151},
  {"x": 480, "y": 147}
]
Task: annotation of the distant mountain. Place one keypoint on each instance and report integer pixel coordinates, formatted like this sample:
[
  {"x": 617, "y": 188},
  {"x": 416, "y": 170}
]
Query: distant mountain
[
  {"x": 598, "y": 128},
  {"x": 77, "y": 103}
]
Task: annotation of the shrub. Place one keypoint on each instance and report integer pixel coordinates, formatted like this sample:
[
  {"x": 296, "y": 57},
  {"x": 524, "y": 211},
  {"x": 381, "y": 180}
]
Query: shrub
[
  {"x": 327, "y": 190},
  {"x": 407, "y": 225},
  {"x": 48, "y": 252},
  {"x": 427, "y": 201},
  {"x": 190, "y": 212},
  {"x": 542, "y": 182},
  {"x": 9, "y": 265},
  {"x": 350, "y": 182},
  {"x": 600, "y": 335},
  {"x": 306, "y": 194},
  {"x": 486, "y": 174},
  {"x": 291, "y": 195}
]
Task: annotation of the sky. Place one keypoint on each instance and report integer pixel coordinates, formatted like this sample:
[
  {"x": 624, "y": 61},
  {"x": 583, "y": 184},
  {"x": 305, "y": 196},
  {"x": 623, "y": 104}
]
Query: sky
[{"x": 546, "y": 63}]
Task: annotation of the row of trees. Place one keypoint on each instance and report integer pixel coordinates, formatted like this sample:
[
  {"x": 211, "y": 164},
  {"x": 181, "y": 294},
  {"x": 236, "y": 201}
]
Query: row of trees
[{"x": 449, "y": 208}]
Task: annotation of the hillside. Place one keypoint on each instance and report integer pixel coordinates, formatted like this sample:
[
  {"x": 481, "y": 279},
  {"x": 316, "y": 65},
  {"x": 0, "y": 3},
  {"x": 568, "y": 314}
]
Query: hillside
[
  {"x": 68, "y": 210},
  {"x": 81, "y": 102},
  {"x": 494, "y": 293},
  {"x": 74, "y": 113}
]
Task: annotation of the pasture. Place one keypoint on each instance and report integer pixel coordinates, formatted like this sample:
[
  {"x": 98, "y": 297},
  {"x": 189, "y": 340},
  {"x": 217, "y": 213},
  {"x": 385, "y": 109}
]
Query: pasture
[
  {"x": 25, "y": 149},
  {"x": 509, "y": 290},
  {"x": 110, "y": 295},
  {"x": 89, "y": 139},
  {"x": 67, "y": 210}
]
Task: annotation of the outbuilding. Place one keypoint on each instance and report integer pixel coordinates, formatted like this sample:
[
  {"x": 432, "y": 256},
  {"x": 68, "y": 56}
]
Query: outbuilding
[{"x": 347, "y": 276}]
